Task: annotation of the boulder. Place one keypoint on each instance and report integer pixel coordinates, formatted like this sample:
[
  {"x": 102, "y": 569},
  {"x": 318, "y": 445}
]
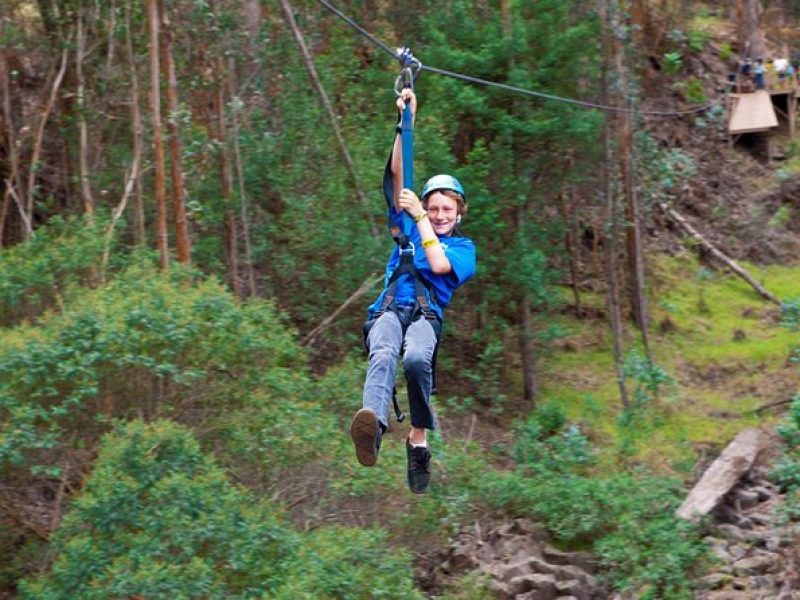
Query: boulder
[{"x": 723, "y": 474}]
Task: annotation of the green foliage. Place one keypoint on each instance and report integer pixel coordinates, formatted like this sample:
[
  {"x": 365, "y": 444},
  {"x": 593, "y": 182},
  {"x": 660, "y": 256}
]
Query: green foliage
[
  {"x": 152, "y": 344},
  {"x": 697, "y": 40},
  {"x": 35, "y": 275},
  {"x": 338, "y": 562},
  {"x": 695, "y": 92},
  {"x": 158, "y": 519},
  {"x": 786, "y": 471},
  {"x": 781, "y": 217},
  {"x": 627, "y": 517},
  {"x": 725, "y": 51},
  {"x": 487, "y": 375},
  {"x": 673, "y": 62}
]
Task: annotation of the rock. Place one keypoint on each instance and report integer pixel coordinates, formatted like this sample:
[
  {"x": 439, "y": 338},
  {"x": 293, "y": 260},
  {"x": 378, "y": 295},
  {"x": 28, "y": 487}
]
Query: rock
[
  {"x": 728, "y": 595},
  {"x": 544, "y": 585},
  {"x": 746, "y": 499},
  {"x": 731, "y": 532},
  {"x": 582, "y": 560},
  {"x": 744, "y": 523},
  {"x": 763, "y": 493},
  {"x": 719, "y": 549},
  {"x": 516, "y": 569},
  {"x": 773, "y": 544},
  {"x": 755, "y": 565},
  {"x": 585, "y": 560},
  {"x": 462, "y": 558},
  {"x": 764, "y": 582},
  {"x": 500, "y": 590},
  {"x": 528, "y": 527},
  {"x": 569, "y": 572},
  {"x": 739, "y": 584},
  {"x": 574, "y": 589},
  {"x": 714, "y": 581},
  {"x": 723, "y": 474},
  {"x": 738, "y": 552},
  {"x": 526, "y": 566},
  {"x": 555, "y": 556}
]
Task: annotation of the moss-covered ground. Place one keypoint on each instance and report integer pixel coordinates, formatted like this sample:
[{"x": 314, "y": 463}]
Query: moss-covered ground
[{"x": 722, "y": 346}]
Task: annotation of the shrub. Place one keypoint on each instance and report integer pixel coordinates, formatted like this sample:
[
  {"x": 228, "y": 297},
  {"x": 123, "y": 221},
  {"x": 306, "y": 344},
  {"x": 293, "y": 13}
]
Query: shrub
[
  {"x": 152, "y": 344},
  {"x": 159, "y": 519},
  {"x": 626, "y": 517},
  {"x": 673, "y": 62},
  {"x": 35, "y": 274},
  {"x": 339, "y": 562}
]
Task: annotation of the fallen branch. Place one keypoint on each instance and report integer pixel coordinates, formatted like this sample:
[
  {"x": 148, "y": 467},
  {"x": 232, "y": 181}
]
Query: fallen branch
[
  {"x": 765, "y": 407},
  {"x": 718, "y": 254},
  {"x": 368, "y": 284}
]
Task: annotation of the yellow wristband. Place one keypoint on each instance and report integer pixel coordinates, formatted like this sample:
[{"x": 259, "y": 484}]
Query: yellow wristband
[
  {"x": 430, "y": 242},
  {"x": 419, "y": 217}
]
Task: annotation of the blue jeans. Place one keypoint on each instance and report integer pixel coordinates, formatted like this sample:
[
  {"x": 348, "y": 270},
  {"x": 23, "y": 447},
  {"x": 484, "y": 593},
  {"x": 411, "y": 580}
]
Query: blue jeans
[{"x": 385, "y": 341}]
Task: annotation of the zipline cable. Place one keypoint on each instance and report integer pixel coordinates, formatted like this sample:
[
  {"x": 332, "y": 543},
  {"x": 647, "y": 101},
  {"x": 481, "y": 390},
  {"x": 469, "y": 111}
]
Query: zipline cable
[{"x": 511, "y": 88}]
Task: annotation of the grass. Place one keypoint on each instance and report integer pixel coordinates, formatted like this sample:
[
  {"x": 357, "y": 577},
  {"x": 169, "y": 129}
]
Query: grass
[{"x": 721, "y": 344}]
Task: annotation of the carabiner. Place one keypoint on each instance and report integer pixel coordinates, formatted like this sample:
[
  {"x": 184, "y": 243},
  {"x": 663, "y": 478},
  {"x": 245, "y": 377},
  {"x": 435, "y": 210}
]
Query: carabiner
[{"x": 408, "y": 73}]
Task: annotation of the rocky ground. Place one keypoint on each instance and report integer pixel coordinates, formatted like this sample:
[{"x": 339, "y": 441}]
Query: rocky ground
[
  {"x": 517, "y": 562},
  {"x": 753, "y": 550}
]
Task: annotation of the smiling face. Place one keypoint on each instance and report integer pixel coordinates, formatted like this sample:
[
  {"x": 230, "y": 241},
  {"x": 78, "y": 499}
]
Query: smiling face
[{"x": 443, "y": 210}]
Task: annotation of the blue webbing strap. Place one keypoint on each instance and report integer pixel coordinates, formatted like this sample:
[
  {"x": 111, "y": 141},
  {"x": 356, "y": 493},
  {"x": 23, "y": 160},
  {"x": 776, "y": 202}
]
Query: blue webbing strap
[{"x": 407, "y": 145}]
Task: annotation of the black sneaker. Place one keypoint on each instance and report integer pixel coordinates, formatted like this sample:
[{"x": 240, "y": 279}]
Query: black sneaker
[
  {"x": 419, "y": 468},
  {"x": 366, "y": 433}
]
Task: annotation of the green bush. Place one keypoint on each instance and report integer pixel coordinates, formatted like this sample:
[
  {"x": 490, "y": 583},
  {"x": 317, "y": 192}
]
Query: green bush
[
  {"x": 673, "y": 62},
  {"x": 339, "y": 562},
  {"x": 627, "y": 518},
  {"x": 34, "y": 275},
  {"x": 158, "y": 519},
  {"x": 152, "y": 345},
  {"x": 694, "y": 91}
]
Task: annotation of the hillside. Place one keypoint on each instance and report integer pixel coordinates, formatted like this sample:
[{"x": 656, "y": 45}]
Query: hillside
[{"x": 191, "y": 228}]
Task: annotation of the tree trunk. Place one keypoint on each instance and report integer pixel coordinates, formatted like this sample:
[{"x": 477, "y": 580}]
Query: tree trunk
[
  {"x": 182, "y": 242},
  {"x": 750, "y": 37},
  {"x": 226, "y": 186},
  {"x": 237, "y": 154},
  {"x": 252, "y": 16},
  {"x": 83, "y": 130},
  {"x": 138, "y": 129},
  {"x": 528, "y": 350},
  {"x": 312, "y": 71},
  {"x": 9, "y": 141},
  {"x": 162, "y": 236},
  {"x": 39, "y": 138},
  {"x": 625, "y": 154},
  {"x": 571, "y": 241},
  {"x": 611, "y": 221}
]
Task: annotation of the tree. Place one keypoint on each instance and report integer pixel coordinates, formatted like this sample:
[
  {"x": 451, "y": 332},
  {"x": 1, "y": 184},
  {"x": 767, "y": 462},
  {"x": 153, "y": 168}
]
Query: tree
[{"x": 162, "y": 236}]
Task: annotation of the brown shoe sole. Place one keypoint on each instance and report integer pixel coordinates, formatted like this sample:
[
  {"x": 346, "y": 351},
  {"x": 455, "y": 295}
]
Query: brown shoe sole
[{"x": 363, "y": 430}]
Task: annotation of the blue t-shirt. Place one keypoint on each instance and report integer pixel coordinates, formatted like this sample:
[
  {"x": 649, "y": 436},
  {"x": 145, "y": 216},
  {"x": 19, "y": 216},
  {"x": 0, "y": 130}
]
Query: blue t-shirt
[{"x": 460, "y": 251}]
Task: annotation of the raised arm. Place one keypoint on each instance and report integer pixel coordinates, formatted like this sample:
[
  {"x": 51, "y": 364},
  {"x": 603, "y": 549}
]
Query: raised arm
[{"x": 397, "y": 151}]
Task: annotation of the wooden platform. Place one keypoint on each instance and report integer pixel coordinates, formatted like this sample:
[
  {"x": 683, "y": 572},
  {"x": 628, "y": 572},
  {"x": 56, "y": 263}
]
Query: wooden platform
[{"x": 751, "y": 112}]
